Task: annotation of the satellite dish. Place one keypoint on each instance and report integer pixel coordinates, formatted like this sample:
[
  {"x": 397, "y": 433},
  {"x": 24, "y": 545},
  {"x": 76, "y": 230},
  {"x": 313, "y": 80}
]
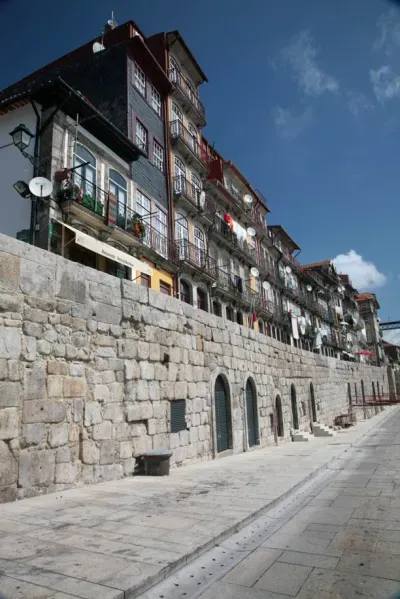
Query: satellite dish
[
  {"x": 344, "y": 323},
  {"x": 250, "y": 231},
  {"x": 214, "y": 284},
  {"x": 248, "y": 199},
  {"x": 97, "y": 47},
  {"x": 254, "y": 272},
  {"x": 288, "y": 270},
  {"x": 40, "y": 187},
  {"x": 266, "y": 286},
  {"x": 202, "y": 199},
  {"x": 309, "y": 288}
]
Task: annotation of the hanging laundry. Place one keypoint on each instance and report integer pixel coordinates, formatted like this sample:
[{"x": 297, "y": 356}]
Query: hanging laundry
[
  {"x": 254, "y": 317},
  {"x": 302, "y": 325},
  {"x": 295, "y": 330},
  {"x": 317, "y": 339},
  {"x": 239, "y": 231}
]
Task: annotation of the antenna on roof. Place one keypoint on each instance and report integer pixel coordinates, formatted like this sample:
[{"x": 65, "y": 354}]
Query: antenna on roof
[{"x": 112, "y": 22}]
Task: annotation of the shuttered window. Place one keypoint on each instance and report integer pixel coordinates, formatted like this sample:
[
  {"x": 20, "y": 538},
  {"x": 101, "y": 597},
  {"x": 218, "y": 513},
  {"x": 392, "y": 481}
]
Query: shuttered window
[{"x": 178, "y": 412}]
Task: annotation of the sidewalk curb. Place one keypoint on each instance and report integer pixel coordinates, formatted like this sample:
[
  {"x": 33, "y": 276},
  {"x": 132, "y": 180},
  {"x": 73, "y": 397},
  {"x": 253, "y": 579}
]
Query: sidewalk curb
[{"x": 178, "y": 564}]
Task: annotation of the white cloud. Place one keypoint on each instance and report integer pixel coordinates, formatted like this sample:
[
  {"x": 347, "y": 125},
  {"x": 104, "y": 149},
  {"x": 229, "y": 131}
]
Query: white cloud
[
  {"x": 385, "y": 83},
  {"x": 363, "y": 274},
  {"x": 290, "y": 125},
  {"x": 358, "y": 103},
  {"x": 301, "y": 54},
  {"x": 389, "y": 32}
]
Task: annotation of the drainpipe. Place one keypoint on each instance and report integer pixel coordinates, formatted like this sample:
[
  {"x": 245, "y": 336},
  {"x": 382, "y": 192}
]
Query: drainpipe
[
  {"x": 168, "y": 178},
  {"x": 35, "y": 173}
]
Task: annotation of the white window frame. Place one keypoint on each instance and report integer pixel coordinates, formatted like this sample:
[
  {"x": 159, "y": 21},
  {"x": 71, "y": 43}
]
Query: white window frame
[
  {"x": 200, "y": 245},
  {"x": 193, "y": 137},
  {"x": 140, "y": 80},
  {"x": 179, "y": 175},
  {"x": 141, "y": 136},
  {"x": 160, "y": 225},
  {"x": 155, "y": 100},
  {"x": 158, "y": 155}
]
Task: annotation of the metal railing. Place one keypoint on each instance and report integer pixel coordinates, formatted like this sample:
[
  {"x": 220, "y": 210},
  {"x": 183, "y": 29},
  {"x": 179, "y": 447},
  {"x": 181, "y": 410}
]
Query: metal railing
[
  {"x": 185, "y": 188},
  {"x": 86, "y": 194},
  {"x": 239, "y": 244},
  {"x": 176, "y": 76},
  {"x": 178, "y": 131},
  {"x": 233, "y": 284},
  {"x": 149, "y": 236},
  {"x": 196, "y": 256}
]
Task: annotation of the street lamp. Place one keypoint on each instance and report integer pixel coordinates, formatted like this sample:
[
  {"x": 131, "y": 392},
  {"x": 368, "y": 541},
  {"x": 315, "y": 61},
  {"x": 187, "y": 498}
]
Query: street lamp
[
  {"x": 21, "y": 137},
  {"x": 22, "y": 188}
]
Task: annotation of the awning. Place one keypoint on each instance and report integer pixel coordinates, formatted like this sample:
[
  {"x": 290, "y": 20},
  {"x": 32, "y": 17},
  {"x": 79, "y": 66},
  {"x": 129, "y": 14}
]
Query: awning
[{"x": 108, "y": 251}]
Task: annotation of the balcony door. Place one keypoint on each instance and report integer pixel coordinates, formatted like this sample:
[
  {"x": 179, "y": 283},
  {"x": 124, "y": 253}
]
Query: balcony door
[
  {"x": 160, "y": 232},
  {"x": 85, "y": 175},
  {"x": 177, "y": 120},
  {"x": 119, "y": 188},
  {"x": 182, "y": 235},
  {"x": 179, "y": 175},
  {"x": 199, "y": 244},
  {"x": 143, "y": 209}
]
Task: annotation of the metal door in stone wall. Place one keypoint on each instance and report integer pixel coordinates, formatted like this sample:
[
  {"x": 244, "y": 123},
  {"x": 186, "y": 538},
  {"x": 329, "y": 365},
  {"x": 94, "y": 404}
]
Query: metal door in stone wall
[
  {"x": 251, "y": 410},
  {"x": 222, "y": 415}
]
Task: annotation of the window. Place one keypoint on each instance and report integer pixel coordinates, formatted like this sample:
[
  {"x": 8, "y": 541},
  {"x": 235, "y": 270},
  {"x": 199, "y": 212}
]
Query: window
[
  {"x": 178, "y": 415},
  {"x": 184, "y": 292},
  {"x": 173, "y": 70},
  {"x": 229, "y": 313},
  {"x": 239, "y": 317},
  {"x": 165, "y": 288},
  {"x": 119, "y": 188},
  {"x": 141, "y": 136},
  {"x": 179, "y": 175},
  {"x": 160, "y": 242},
  {"x": 143, "y": 210},
  {"x": 193, "y": 137},
  {"x": 196, "y": 186},
  {"x": 177, "y": 120},
  {"x": 199, "y": 244},
  {"x": 155, "y": 100},
  {"x": 85, "y": 177},
  {"x": 145, "y": 280},
  {"x": 217, "y": 308},
  {"x": 140, "y": 80},
  {"x": 158, "y": 156},
  {"x": 201, "y": 299}
]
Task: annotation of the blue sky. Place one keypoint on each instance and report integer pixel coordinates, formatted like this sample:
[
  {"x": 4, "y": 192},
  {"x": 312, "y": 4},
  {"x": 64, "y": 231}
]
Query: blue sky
[{"x": 303, "y": 96}]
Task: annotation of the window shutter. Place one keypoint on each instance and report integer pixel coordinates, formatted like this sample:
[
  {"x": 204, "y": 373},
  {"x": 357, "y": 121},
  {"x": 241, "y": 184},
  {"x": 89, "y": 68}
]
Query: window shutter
[{"x": 178, "y": 415}]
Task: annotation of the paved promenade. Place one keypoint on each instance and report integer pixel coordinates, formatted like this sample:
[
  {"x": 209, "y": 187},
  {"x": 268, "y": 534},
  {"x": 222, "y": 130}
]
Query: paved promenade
[{"x": 115, "y": 540}]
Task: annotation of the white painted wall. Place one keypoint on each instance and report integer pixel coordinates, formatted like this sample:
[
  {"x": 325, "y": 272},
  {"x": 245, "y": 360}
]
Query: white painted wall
[{"x": 15, "y": 211}]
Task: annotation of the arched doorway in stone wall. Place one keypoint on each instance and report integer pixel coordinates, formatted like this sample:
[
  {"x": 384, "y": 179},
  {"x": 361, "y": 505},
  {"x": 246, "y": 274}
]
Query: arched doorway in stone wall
[
  {"x": 313, "y": 405},
  {"x": 222, "y": 414},
  {"x": 251, "y": 412},
  {"x": 279, "y": 417},
  {"x": 295, "y": 413}
]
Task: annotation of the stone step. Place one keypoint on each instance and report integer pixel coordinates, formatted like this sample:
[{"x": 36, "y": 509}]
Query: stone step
[{"x": 321, "y": 430}]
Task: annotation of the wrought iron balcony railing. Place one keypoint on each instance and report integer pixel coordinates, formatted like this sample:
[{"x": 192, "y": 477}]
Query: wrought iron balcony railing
[
  {"x": 144, "y": 232},
  {"x": 234, "y": 285},
  {"x": 176, "y": 77},
  {"x": 179, "y": 132},
  {"x": 85, "y": 193},
  {"x": 186, "y": 189},
  {"x": 195, "y": 256},
  {"x": 238, "y": 244}
]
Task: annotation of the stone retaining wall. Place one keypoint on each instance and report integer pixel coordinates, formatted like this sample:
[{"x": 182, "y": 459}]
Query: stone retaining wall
[{"x": 89, "y": 366}]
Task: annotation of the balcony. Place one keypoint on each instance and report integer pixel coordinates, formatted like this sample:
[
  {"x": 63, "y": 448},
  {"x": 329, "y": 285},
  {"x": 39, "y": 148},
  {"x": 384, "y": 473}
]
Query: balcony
[
  {"x": 189, "y": 197},
  {"x": 188, "y": 146},
  {"x": 83, "y": 199},
  {"x": 132, "y": 228},
  {"x": 232, "y": 287},
  {"x": 196, "y": 260},
  {"x": 240, "y": 246},
  {"x": 187, "y": 97}
]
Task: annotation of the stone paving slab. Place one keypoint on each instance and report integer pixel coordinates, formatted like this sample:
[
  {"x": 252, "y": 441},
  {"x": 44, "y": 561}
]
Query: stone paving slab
[{"x": 119, "y": 538}]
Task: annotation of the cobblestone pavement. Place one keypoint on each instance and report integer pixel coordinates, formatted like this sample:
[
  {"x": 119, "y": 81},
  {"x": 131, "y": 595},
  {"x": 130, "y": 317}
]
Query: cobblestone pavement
[{"x": 337, "y": 535}]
